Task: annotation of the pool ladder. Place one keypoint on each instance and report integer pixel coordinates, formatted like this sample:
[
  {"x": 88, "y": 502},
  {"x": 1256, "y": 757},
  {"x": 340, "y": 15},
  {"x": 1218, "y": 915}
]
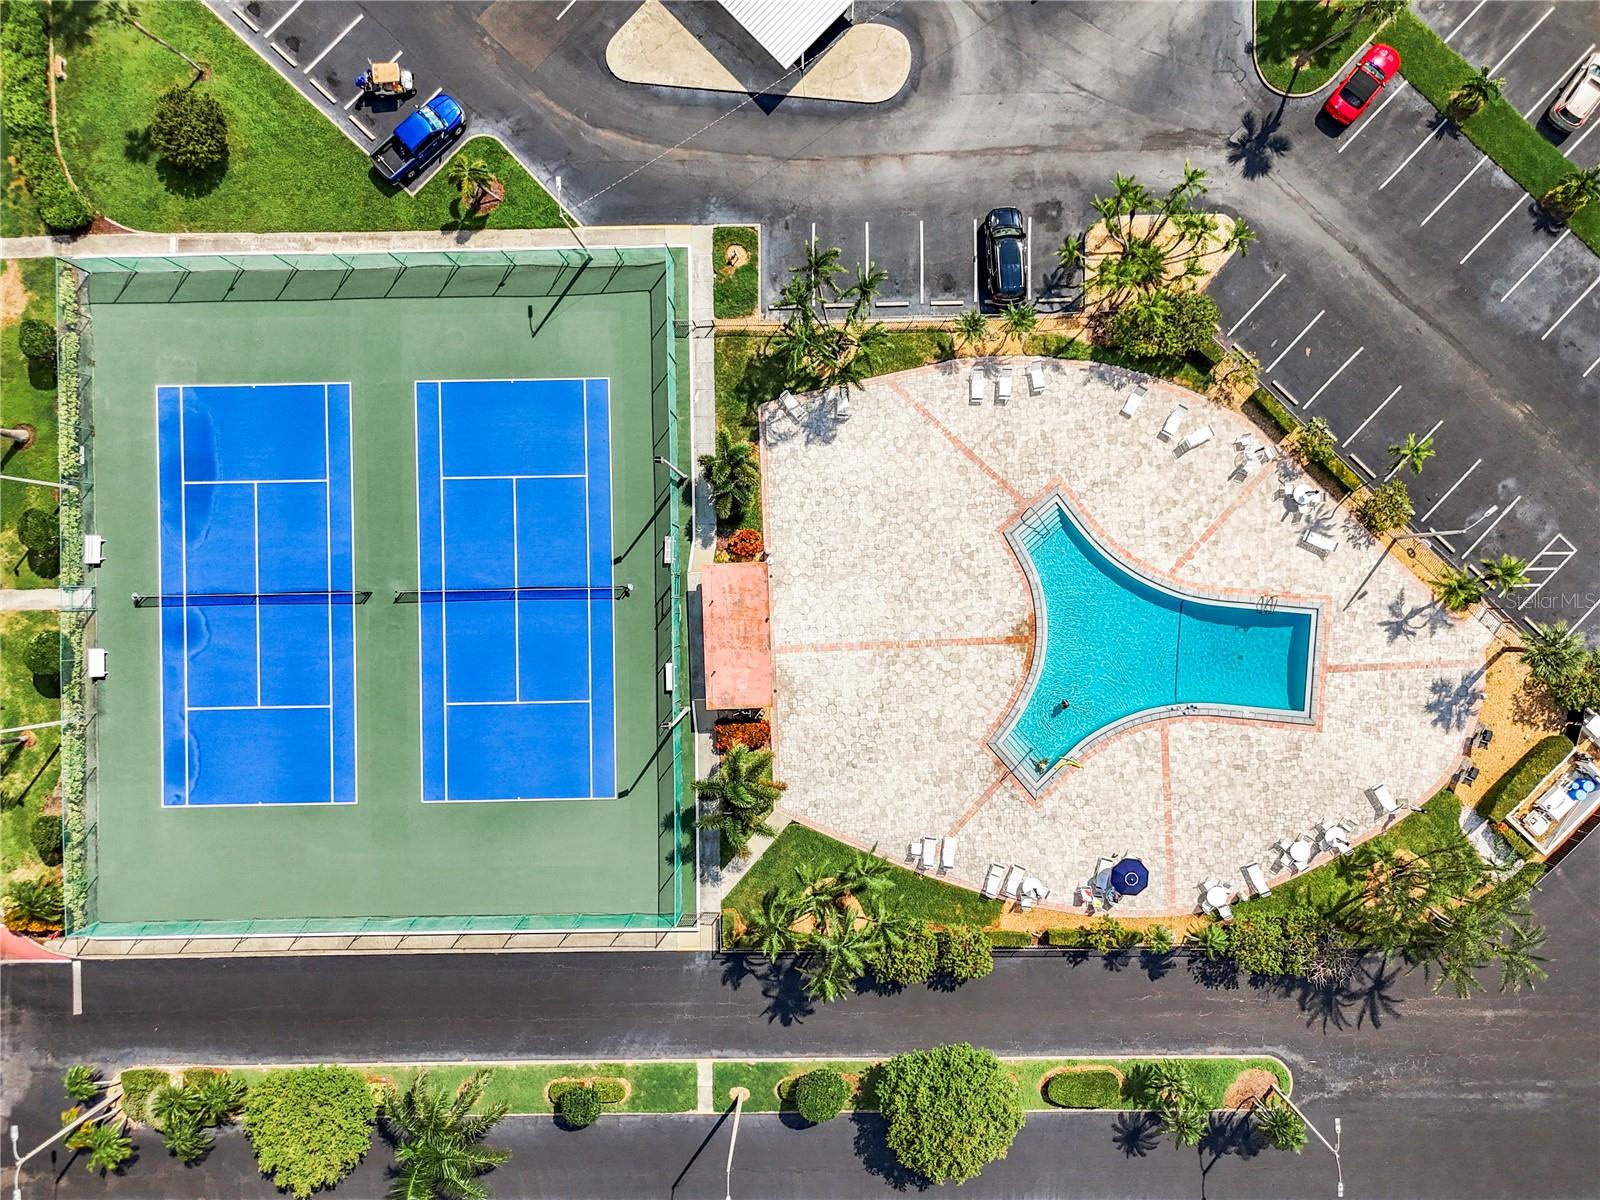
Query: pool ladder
[{"x": 1267, "y": 603}]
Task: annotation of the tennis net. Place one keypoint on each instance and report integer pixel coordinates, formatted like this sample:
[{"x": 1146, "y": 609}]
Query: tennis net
[
  {"x": 480, "y": 595},
  {"x": 242, "y": 599}
]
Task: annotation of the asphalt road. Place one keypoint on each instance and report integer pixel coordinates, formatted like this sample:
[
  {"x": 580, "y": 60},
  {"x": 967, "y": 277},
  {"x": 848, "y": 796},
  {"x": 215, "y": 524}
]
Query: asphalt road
[{"x": 1484, "y": 1098}]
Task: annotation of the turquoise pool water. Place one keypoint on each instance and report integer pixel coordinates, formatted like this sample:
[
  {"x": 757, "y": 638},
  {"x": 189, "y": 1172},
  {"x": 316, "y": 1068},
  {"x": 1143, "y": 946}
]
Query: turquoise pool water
[{"x": 1113, "y": 645}]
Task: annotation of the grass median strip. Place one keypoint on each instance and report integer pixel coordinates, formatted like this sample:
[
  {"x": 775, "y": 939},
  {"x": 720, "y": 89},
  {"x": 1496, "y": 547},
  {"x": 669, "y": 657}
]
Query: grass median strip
[{"x": 1285, "y": 29}]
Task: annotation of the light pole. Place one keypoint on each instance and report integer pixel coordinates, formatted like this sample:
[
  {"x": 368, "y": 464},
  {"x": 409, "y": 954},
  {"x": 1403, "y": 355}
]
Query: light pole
[
  {"x": 678, "y": 472},
  {"x": 740, "y": 1095},
  {"x": 1333, "y": 1146},
  {"x": 18, "y": 1158},
  {"x": 1425, "y": 533}
]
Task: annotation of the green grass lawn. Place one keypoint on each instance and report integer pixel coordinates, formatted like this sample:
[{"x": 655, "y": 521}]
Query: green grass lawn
[
  {"x": 1436, "y": 71},
  {"x": 288, "y": 168},
  {"x": 735, "y": 293},
  {"x": 26, "y": 773},
  {"x": 27, "y": 397},
  {"x": 763, "y": 1079},
  {"x": 1286, "y": 28},
  {"x": 918, "y": 896}
]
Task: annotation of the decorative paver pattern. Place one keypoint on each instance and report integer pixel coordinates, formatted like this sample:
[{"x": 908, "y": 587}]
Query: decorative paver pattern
[{"x": 902, "y": 624}]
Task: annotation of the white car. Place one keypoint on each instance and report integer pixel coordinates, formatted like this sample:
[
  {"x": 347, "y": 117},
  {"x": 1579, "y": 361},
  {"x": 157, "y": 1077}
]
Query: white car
[{"x": 1579, "y": 99}]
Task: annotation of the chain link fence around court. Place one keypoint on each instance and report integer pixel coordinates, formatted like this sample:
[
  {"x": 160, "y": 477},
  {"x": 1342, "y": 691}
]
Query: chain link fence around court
[{"x": 659, "y": 272}]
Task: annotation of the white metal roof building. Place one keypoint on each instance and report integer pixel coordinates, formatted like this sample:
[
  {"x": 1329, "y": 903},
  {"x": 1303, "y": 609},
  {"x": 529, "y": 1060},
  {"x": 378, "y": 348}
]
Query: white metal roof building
[{"x": 785, "y": 27}]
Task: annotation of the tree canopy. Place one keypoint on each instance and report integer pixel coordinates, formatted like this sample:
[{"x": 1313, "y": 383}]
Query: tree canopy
[{"x": 951, "y": 1111}]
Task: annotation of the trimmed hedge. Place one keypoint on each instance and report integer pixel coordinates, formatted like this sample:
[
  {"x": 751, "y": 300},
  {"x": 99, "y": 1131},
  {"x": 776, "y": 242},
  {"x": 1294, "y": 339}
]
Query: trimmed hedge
[
  {"x": 1512, "y": 788},
  {"x": 25, "y": 64},
  {"x": 137, "y": 1085},
  {"x": 579, "y": 1106},
  {"x": 1009, "y": 938},
  {"x": 1094, "y": 1088},
  {"x": 820, "y": 1096}
]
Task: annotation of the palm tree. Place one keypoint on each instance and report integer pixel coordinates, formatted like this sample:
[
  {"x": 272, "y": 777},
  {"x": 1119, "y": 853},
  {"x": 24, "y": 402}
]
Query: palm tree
[
  {"x": 1477, "y": 91},
  {"x": 1070, "y": 254},
  {"x": 890, "y": 925},
  {"x": 1380, "y": 10},
  {"x": 1458, "y": 589},
  {"x": 770, "y": 926},
  {"x": 438, "y": 1134},
  {"x": 1280, "y": 1126},
  {"x": 172, "y": 1105},
  {"x": 1505, "y": 573},
  {"x": 33, "y": 902},
  {"x": 218, "y": 1096},
  {"x": 81, "y": 1083},
  {"x": 1519, "y": 957},
  {"x": 186, "y": 1139},
  {"x": 1242, "y": 238},
  {"x": 125, "y": 10},
  {"x": 1185, "y": 1122},
  {"x": 861, "y": 294},
  {"x": 469, "y": 176},
  {"x": 865, "y": 874},
  {"x": 1159, "y": 939},
  {"x": 1213, "y": 938},
  {"x": 1573, "y": 191},
  {"x": 842, "y": 950},
  {"x": 108, "y": 1146},
  {"x": 1412, "y": 452},
  {"x": 1553, "y": 651},
  {"x": 972, "y": 328},
  {"x": 744, "y": 793},
  {"x": 734, "y": 474},
  {"x": 1019, "y": 320}
]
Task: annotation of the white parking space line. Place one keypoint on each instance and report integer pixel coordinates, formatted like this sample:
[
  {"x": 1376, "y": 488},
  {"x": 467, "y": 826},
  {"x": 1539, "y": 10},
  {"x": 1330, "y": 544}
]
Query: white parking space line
[
  {"x": 1400, "y": 462},
  {"x": 273, "y": 28},
  {"x": 1258, "y": 303},
  {"x": 974, "y": 260},
  {"x": 1592, "y": 366},
  {"x": 1345, "y": 142},
  {"x": 1570, "y": 307},
  {"x": 1357, "y": 460},
  {"x": 1560, "y": 79},
  {"x": 1518, "y": 44},
  {"x": 1576, "y": 623},
  {"x": 1434, "y": 135},
  {"x": 1464, "y": 20},
  {"x": 1504, "y": 513},
  {"x": 395, "y": 57},
  {"x": 1334, "y": 376},
  {"x": 1372, "y": 414},
  {"x": 1567, "y": 551},
  {"x": 922, "y": 268},
  {"x": 1521, "y": 202},
  {"x": 1482, "y": 158},
  {"x": 566, "y": 9},
  {"x": 866, "y": 244},
  {"x": 77, "y": 987},
  {"x": 1296, "y": 340},
  {"x": 1567, "y": 152},
  {"x": 245, "y": 17},
  {"x": 343, "y": 33},
  {"x": 1565, "y": 233},
  {"x": 1450, "y": 489},
  {"x": 1027, "y": 265}
]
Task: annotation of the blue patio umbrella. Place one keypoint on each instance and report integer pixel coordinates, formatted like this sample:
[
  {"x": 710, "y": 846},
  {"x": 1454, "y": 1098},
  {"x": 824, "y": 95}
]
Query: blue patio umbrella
[{"x": 1129, "y": 877}]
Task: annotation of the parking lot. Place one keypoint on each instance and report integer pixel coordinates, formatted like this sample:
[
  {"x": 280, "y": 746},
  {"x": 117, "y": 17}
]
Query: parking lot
[{"x": 1508, "y": 290}]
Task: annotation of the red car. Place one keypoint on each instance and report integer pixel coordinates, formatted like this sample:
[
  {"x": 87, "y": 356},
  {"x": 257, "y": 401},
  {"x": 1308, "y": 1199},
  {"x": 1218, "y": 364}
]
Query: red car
[{"x": 1350, "y": 98}]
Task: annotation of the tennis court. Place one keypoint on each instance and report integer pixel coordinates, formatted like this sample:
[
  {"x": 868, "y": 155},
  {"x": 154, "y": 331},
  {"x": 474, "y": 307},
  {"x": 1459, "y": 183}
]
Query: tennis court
[
  {"x": 257, "y": 624},
  {"x": 515, "y": 579}
]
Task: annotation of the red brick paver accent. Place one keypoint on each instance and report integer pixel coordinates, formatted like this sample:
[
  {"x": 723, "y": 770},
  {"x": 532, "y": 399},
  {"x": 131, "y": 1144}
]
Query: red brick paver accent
[
  {"x": 999, "y": 479},
  {"x": 1232, "y": 507}
]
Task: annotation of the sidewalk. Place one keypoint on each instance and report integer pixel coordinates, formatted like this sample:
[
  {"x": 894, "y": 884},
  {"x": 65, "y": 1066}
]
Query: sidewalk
[{"x": 35, "y": 600}]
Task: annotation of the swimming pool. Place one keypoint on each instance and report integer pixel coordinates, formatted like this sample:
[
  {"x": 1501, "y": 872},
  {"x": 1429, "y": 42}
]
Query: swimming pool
[{"x": 1119, "y": 647}]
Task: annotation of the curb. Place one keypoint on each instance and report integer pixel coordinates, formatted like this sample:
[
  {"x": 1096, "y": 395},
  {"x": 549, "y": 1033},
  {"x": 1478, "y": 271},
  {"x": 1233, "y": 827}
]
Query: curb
[{"x": 1255, "y": 60}]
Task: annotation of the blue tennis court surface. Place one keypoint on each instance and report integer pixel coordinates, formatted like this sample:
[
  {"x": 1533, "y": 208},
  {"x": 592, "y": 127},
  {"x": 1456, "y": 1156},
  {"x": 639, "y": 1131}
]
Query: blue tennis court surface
[
  {"x": 514, "y": 548},
  {"x": 257, "y": 644}
]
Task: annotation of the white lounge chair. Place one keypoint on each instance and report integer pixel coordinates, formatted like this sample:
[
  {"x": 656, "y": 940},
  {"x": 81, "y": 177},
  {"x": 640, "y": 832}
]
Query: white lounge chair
[
  {"x": 977, "y": 386},
  {"x": 1024, "y": 902},
  {"x": 993, "y": 880},
  {"x": 1135, "y": 399},
  {"x": 94, "y": 549},
  {"x": 1319, "y": 543},
  {"x": 1384, "y": 799},
  {"x": 1014, "y": 879},
  {"x": 789, "y": 404},
  {"x": 930, "y": 853},
  {"x": 1224, "y": 912},
  {"x": 841, "y": 405},
  {"x": 1004, "y": 392},
  {"x": 914, "y": 851},
  {"x": 1195, "y": 437},
  {"x": 1255, "y": 879},
  {"x": 1173, "y": 423},
  {"x": 1035, "y": 378},
  {"x": 1101, "y": 882},
  {"x": 947, "y": 854}
]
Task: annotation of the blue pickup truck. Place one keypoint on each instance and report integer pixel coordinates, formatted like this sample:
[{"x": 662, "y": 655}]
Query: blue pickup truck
[{"x": 420, "y": 139}]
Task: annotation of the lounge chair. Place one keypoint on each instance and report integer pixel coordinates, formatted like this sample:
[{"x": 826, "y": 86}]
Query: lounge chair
[
  {"x": 97, "y": 662},
  {"x": 841, "y": 404},
  {"x": 993, "y": 880},
  {"x": 930, "y": 848},
  {"x": 977, "y": 386},
  {"x": 1255, "y": 879},
  {"x": 1384, "y": 799},
  {"x": 914, "y": 851},
  {"x": 1173, "y": 423},
  {"x": 1246, "y": 467},
  {"x": 1101, "y": 881},
  {"x": 1485, "y": 736},
  {"x": 1135, "y": 398},
  {"x": 94, "y": 549},
  {"x": 789, "y": 404},
  {"x": 947, "y": 854},
  {"x": 1469, "y": 774},
  {"x": 1224, "y": 912},
  {"x": 1024, "y": 901},
  {"x": 1319, "y": 543},
  {"x": 1003, "y": 394},
  {"x": 1014, "y": 878},
  {"x": 1035, "y": 378},
  {"x": 1195, "y": 437}
]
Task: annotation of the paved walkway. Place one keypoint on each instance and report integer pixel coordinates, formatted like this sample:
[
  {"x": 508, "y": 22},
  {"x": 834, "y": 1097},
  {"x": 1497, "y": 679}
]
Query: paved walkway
[{"x": 34, "y": 600}]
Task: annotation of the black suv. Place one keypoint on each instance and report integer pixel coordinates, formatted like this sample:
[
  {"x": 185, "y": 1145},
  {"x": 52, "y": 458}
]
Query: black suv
[{"x": 1005, "y": 255}]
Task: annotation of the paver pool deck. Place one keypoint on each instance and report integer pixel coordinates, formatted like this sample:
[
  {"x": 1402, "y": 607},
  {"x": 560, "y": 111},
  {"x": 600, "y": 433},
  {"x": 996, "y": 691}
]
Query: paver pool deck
[{"x": 902, "y": 625}]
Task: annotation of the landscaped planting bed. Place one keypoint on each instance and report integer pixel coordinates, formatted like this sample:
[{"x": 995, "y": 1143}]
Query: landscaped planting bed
[
  {"x": 1284, "y": 29},
  {"x": 1517, "y": 784}
]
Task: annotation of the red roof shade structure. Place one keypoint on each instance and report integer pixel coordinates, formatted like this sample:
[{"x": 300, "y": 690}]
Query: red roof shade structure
[{"x": 736, "y": 621}]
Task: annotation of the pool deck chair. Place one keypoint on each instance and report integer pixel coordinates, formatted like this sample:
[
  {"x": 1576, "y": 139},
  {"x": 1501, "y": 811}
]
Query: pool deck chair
[
  {"x": 1135, "y": 399},
  {"x": 914, "y": 851},
  {"x": 930, "y": 851},
  {"x": 947, "y": 854},
  {"x": 1004, "y": 392},
  {"x": 1014, "y": 878},
  {"x": 94, "y": 552},
  {"x": 1255, "y": 879},
  {"x": 977, "y": 386},
  {"x": 1035, "y": 378},
  {"x": 1173, "y": 423},
  {"x": 1384, "y": 799},
  {"x": 993, "y": 880},
  {"x": 790, "y": 406},
  {"x": 1319, "y": 543},
  {"x": 1194, "y": 438},
  {"x": 841, "y": 404}
]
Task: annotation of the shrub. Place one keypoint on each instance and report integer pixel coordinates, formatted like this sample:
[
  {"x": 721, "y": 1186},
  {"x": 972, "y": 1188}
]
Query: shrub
[
  {"x": 43, "y": 655},
  {"x": 1515, "y": 786},
  {"x": 137, "y": 1086},
  {"x": 610, "y": 1091},
  {"x": 1009, "y": 938},
  {"x": 1159, "y": 938},
  {"x": 1098, "y": 1087},
  {"x": 45, "y": 834},
  {"x": 24, "y": 64},
  {"x": 81, "y": 1083},
  {"x": 1108, "y": 934},
  {"x": 820, "y": 1095},
  {"x": 914, "y": 960},
  {"x": 745, "y": 546},
  {"x": 38, "y": 531},
  {"x": 190, "y": 130},
  {"x": 754, "y": 734},
  {"x": 579, "y": 1106},
  {"x": 1387, "y": 506},
  {"x": 37, "y": 339},
  {"x": 950, "y": 1111},
  {"x": 1163, "y": 323},
  {"x": 34, "y": 905},
  {"x": 310, "y": 1126},
  {"x": 964, "y": 953},
  {"x": 1317, "y": 442},
  {"x": 218, "y": 1095}
]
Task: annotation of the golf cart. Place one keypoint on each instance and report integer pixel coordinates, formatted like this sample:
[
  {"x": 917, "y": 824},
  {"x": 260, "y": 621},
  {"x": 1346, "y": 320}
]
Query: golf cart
[{"x": 386, "y": 79}]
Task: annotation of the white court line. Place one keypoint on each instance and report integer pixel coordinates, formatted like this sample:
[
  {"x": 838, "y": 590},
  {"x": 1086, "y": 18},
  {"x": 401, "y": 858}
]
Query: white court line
[
  {"x": 1399, "y": 463},
  {"x": 1334, "y": 376},
  {"x": 498, "y": 477},
  {"x": 395, "y": 57},
  {"x": 1258, "y": 303},
  {"x": 255, "y": 524},
  {"x": 1503, "y": 515},
  {"x": 257, "y": 708},
  {"x": 327, "y": 575},
  {"x": 588, "y": 570},
  {"x": 1521, "y": 202},
  {"x": 1372, "y": 414},
  {"x": 267, "y": 33},
  {"x": 1574, "y": 625},
  {"x": 1571, "y": 306},
  {"x": 1450, "y": 489},
  {"x": 516, "y": 607},
  {"x": 1296, "y": 341},
  {"x": 1548, "y": 249},
  {"x": 1592, "y": 366},
  {"x": 444, "y": 614},
  {"x": 508, "y": 703},
  {"x": 244, "y": 482},
  {"x": 308, "y": 67}
]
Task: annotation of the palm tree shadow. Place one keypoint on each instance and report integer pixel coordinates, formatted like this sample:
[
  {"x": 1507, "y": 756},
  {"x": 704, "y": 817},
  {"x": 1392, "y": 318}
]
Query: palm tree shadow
[
  {"x": 1453, "y": 702},
  {"x": 783, "y": 986},
  {"x": 1258, "y": 144},
  {"x": 1365, "y": 998},
  {"x": 1156, "y": 964},
  {"x": 1136, "y": 1134},
  {"x": 1221, "y": 974}
]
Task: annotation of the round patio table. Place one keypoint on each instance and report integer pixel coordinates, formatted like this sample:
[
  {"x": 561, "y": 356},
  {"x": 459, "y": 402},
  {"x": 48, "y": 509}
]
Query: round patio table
[
  {"x": 1217, "y": 896},
  {"x": 1300, "y": 852}
]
